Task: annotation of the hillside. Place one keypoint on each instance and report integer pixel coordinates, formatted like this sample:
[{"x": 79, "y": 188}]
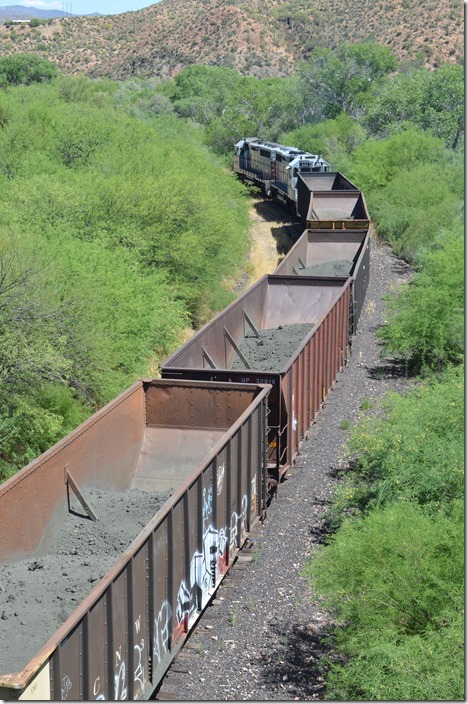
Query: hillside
[{"x": 258, "y": 37}]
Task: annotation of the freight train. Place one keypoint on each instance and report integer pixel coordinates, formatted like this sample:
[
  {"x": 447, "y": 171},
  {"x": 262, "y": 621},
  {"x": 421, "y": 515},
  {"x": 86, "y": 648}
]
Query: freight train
[
  {"x": 210, "y": 440},
  {"x": 303, "y": 182}
]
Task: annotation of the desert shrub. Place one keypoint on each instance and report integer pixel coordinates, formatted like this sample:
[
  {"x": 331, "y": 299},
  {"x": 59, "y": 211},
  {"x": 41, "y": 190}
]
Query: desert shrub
[
  {"x": 394, "y": 580},
  {"x": 426, "y": 319},
  {"x": 331, "y": 138},
  {"x": 377, "y": 161},
  {"x": 146, "y": 186},
  {"x": 409, "y": 454},
  {"x": 130, "y": 244},
  {"x": 431, "y": 100},
  {"x": 33, "y": 422},
  {"x": 23, "y": 69},
  {"x": 412, "y": 209},
  {"x": 341, "y": 79}
]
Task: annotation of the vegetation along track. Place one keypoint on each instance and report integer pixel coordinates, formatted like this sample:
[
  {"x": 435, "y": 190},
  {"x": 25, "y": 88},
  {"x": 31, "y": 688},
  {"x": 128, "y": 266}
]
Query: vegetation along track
[
  {"x": 260, "y": 638},
  {"x": 273, "y": 231}
]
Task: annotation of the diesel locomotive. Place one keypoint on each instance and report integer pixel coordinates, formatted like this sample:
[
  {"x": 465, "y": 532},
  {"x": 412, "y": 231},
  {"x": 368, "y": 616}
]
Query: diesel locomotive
[{"x": 275, "y": 167}]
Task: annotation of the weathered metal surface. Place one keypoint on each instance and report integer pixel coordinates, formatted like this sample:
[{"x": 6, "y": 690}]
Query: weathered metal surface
[
  {"x": 330, "y": 201},
  {"x": 102, "y": 449},
  {"x": 319, "y": 182},
  {"x": 122, "y": 637},
  {"x": 316, "y": 247},
  {"x": 296, "y": 396},
  {"x": 337, "y": 207}
]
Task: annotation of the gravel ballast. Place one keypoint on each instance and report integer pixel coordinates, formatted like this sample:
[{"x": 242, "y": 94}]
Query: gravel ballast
[{"x": 260, "y": 638}]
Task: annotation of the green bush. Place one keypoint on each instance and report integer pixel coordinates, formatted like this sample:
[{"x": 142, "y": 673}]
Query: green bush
[
  {"x": 331, "y": 138},
  {"x": 395, "y": 581},
  {"x": 23, "y": 69},
  {"x": 33, "y": 422},
  {"x": 146, "y": 187},
  {"x": 377, "y": 161},
  {"x": 426, "y": 318},
  {"x": 412, "y": 209},
  {"x": 122, "y": 233},
  {"x": 411, "y": 454},
  {"x": 431, "y": 100}
]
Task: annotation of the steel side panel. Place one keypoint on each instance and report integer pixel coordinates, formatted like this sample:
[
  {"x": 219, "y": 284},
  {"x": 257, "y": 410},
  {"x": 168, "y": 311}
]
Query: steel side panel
[
  {"x": 273, "y": 301},
  {"x": 198, "y": 544},
  {"x": 96, "y": 653},
  {"x": 120, "y": 662},
  {"x": 212, "y": 336},
  {"x": 221, "y": 489},
  {"x": 245, "y": 490},
  {"x": 168, "y": 455},
  {"x": 336, "y": 339},
  {"x": 179, "y": 596},
  {"x": 317, "y": 247},
  {"x": 102, "y": 451},
  {"x": 332, "y": 206},
  {"x": 161, "y": 603},
  {"x": 198, "y": 406},
  {"x": 316, "y": 361},
  {"x": 332, "y": 348},
  {"x": 67, "y": 668},
  {"x": 293, "y": 304},
  {"x": 299, "y": 304},
  {"x": 139, "y": 625},
  {"x": 361, "y": 280},
  {"x": 323, "y": 363},
  {"x": 128, "y": 635},
  {"x": 231, "y": 496}
]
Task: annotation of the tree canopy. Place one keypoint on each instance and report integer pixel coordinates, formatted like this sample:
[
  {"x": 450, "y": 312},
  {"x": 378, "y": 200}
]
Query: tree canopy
[{"x": 23, "y": 69}]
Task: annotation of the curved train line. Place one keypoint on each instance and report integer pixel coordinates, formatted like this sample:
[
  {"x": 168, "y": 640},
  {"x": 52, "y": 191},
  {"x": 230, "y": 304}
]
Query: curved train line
[{"x": 221, "y": 437}]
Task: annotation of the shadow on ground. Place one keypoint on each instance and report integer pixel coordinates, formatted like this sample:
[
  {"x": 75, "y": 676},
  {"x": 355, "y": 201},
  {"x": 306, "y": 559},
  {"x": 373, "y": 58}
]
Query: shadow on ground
[
  {"x": 294, "y": 666},
  {"x": 285, "y": 236},
  {"x": 270, "y": 211},
  {"x": 287, "y": 227},
  {"x": 390, "y": 369}
]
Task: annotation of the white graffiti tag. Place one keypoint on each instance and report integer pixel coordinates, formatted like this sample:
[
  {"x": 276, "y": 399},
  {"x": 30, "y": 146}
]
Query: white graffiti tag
[
  {"x": 65, "y": 686},
  {"x": 139, "y": 674},
  {"x": 238, "y": 525},
  {"x": 120, "y": 677},
  {"x": 161, "y": 631}
]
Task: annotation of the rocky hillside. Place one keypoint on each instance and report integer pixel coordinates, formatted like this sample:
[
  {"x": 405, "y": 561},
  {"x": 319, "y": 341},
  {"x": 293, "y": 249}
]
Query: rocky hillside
[{"x": 258, "y": 37}]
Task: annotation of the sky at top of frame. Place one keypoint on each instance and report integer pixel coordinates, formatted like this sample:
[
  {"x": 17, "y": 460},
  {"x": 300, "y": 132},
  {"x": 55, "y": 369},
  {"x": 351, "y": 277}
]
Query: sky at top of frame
[{"x": 85, "y": 7}]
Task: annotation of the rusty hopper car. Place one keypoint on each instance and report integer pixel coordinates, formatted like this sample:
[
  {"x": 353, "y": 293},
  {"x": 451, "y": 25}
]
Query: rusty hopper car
[
  {"x": 337, "y": 210},
  {"x": 208, "y": 442},
  {"x": 319, "y": 250},
  {"x": 300, "y": 386},
  {"x": 275, "y": 167},
  {"x": 330, "y": 182}
]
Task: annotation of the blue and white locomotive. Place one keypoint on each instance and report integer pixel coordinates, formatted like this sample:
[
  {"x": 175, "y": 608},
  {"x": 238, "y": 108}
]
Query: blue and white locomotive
[{"x": 275, "y": 167}]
